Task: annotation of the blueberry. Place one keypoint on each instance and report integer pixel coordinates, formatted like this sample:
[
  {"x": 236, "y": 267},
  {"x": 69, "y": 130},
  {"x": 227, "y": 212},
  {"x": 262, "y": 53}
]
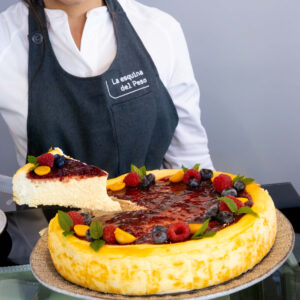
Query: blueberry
[
  {"x": 59, "y": 160},
  {"x": 239, "y": 186},
  {"x": 145, "y": 184},
  {"x": 229, "y": 192},
  {"x": 159, "y": 234},
  {"x": 87, "y": 218},
  {"x": 88, "y": 236},
  {"x": 225, "y": 217},
  {"x": 212, "y": 212},
  {"x": 193, "y": 184},
  {"x": 151, "y": 178},
  {"x": 206, "y": 174}
]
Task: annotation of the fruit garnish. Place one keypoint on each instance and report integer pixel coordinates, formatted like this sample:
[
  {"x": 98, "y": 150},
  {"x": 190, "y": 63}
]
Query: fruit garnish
[
  {"x": 59, "y": 160},
  {"x": 206, "y": 174},
  {"x": 65, "y": 222},
  {"x": 140, "y": 171},
  {"x": 132, "y": 179},
  {"x": 193, "y": 184},
  {"x": 224, "y": 217},
  {"x": 194, "y": 227},
  {"x": 245, "y": 180},
  {"x": 95, "y": 234},
  {"x": 159, "y": 234},
  {"x": 242, "y": 199},
  {"x": 80, "y": 230},
  {"x": 229, "y": 192},
  {"x": 179, "y": 232},
  {"x": 195, "y": 167},
  {"x": 109, "y": 234},
  {"x": 32, "y": 160},
  {"x": 88, "y": 236},
  {"x": 124, "y": 237},
  {"x": 46, "y": 159},
  {"x": 76, "y": 217},
  {"x": 239, "y": 186},
  {"x": 212, "y": 211},
  {"x": 118, "y": 186},
  {"x": 222, "y": 182},
  {"x": 191, "y": 174},
  {"x": 177, "y": 177},
  {"x": 200, "y": 233},
  {"x": 97, "y": 244},
  {"x": 235, "y": 206},
  {"x": 87, "y": 218},
  {"x": 42, "y": 170},
  {"x": 147, "y": 181}
]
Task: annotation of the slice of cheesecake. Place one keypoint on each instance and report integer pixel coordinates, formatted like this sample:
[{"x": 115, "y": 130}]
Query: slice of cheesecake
[{"x": 65, "y": 182}]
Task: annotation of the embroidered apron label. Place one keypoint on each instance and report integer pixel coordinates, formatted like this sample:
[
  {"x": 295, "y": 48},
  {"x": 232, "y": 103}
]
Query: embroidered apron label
[{"x": 124, "y": 85}]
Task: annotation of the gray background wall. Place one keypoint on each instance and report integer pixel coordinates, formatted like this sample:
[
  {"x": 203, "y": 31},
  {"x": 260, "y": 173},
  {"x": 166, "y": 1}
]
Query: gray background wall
[{"x": 246, "y": 58}]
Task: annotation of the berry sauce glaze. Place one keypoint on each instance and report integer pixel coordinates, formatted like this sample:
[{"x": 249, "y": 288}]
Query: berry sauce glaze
[
  {"x": 166, "y": 203},
  {"x": 71, "y": 168}
]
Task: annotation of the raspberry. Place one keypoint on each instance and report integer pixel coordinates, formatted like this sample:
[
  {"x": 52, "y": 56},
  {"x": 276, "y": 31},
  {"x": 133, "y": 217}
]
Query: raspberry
[
  {"x": 213, "y": 224},
  {"x": 76, "y": 217},
  {"x": 132, "y": 179},
  {"x": 222, "y": 182},
  {"x": 109, "y": 234},
  {"x": 179, "y": 232},
  {"x": 224, "y": 207},
  {"x": 190, "y": 174},
  {"x": 46, "y": 159}
]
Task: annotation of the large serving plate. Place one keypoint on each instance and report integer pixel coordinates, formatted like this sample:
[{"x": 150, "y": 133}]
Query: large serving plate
[{"x": 46, "y": 274}]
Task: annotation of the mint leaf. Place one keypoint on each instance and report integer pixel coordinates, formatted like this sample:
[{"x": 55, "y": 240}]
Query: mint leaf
[
  {"x": 230, "y": 203},
  {"x": 209, "y": 234},
  {"x": 248, "y": 180},
  {"x": 247, "y": 210},
  {"x": 201, "y": 230},
  {"x": 65, "y": 221},
  {"x": 67, "y": 233},
  {"x": 196, "y": 167},
  {"x": 184, "y": 168},
  {"x": 32, "y": 159},
  {"x": 96, "y": 245},
  {"x": 143, "y": 171},
  {"x": 96, "y": 230}
]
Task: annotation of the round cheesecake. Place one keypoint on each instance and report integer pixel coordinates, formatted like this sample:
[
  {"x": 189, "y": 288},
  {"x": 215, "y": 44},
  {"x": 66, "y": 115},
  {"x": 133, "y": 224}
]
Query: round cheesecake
[{"x": 145, "y": 268}]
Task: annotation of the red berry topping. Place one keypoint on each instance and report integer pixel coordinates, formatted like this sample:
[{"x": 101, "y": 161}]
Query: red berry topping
[
  {"x": 222, "y": 182},
  {"x": 132, "y": 179},
  {"x": 109, "y": 234},
  {"x": 46, "y": 159},
  {"x": 76, "y": 217},
  {"x": 190, "y": 174},
  {"x": 224, "y": 207},
  {"x": 213, "y": 224},
  {"x": 179, "y": 232}
]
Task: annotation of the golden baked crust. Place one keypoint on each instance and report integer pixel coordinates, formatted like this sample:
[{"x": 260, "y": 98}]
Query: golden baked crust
[{"x": 168, "y": 268}]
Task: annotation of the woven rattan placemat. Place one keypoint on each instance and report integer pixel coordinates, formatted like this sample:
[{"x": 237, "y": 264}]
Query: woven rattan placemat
[{"x": 46, "y": 274}]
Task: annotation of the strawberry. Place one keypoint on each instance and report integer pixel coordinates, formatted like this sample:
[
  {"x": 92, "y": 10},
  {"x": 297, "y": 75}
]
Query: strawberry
[
  {"x": 222, "y": 182},
  {"x": 46, "y": 159},
  {"x": 191, "y": 174},
  {"x": 76, "y": 217},
  {"x": 109, "y": 234},
  {"x": 223, "y": 206},
  {"x": 132, "y": 179}
]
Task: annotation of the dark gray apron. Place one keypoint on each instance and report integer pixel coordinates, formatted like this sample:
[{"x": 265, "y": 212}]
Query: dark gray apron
[{"x": 122, "y": 117}]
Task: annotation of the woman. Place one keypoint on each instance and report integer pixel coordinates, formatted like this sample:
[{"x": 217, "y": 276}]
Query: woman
[{"x": 110, "y": 82}]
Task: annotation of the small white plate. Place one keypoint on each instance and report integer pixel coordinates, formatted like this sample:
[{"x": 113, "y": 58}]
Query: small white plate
[{"x": 3, "y": 221}]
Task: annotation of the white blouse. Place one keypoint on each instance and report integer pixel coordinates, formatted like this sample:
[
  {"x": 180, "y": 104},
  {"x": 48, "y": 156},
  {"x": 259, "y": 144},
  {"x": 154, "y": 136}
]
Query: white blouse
[{"x": 162, "y": 37}]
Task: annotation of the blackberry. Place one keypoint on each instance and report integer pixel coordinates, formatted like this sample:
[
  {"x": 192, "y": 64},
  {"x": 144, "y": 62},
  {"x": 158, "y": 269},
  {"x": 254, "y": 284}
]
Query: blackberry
[
  {"x": 206, "y": 174},
  {"x": 225, "y": 217},
  {"x": 145, "y": 183},
  {"x": 229, "y": 192},
  {"x": 193, "y": 184},
  {"x": 159, "y": 234},
  {"x": 59, "y": 160},
  {"x": 151, "y": 178},
  {"x": 212, "y": 212},
  {"x": 87, "y": 218},
  {"x": 239, "y": 186},
  {"x": 88, "y": 236}
]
